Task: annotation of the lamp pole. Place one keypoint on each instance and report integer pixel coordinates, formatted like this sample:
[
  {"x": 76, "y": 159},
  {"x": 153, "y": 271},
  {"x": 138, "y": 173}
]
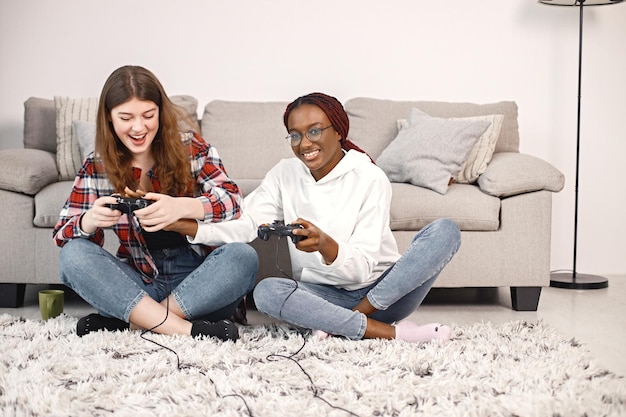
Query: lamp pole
[{"x": 574, "y": 280}]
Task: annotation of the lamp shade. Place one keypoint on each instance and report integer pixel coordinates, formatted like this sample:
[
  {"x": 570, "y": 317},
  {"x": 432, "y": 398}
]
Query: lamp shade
[{"x": 577, "y": 2}]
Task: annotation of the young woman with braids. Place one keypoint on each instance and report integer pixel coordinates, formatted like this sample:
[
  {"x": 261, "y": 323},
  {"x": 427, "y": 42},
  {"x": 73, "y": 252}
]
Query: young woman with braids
[
  {"x": 157, "y": 281},
  {"x": 348, "y": 277}
]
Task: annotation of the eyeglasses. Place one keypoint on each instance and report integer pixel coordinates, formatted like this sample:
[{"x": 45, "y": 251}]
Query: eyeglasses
[{"x": 313, "y": 134}]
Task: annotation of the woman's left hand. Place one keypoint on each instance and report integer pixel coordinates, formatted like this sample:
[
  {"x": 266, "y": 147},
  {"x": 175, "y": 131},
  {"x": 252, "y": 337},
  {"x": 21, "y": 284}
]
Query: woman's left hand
[
  {"x": 164, "y": 211},
  {"x": 316, "y": 241}
]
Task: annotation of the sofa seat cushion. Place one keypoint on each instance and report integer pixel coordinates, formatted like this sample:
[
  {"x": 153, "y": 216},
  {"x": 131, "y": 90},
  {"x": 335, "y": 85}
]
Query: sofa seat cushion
[
  {"x": 49, "y": 202},
  {"x": 413, "y": 207}
]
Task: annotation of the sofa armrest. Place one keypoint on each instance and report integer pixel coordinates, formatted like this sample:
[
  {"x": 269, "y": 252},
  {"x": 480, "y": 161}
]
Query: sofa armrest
[
  {"x": 512, "y": 173},
  {"x": 27, "y": 170}
]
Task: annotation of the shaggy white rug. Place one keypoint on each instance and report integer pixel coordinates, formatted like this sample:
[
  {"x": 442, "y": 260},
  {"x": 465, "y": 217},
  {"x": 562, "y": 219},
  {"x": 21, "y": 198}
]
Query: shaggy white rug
[{"x": 515, "y": 369}]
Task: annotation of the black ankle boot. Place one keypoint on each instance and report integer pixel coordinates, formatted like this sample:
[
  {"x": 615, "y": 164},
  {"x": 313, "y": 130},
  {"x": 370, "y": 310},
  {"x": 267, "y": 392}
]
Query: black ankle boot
[
  {"x": 223, "y": 329},
  {"x": 95, "y": 322}
]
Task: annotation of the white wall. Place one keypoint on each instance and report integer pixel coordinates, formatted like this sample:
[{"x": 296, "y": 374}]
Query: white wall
[{"x": 456, "y": 50}]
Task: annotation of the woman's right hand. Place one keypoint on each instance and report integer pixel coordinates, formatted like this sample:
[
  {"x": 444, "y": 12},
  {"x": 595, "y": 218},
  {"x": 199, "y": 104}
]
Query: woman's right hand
[{"x": 99, "y": 215}]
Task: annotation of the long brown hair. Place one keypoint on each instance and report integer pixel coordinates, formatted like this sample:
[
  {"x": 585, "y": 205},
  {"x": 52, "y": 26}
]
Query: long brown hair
[
  {"x": 171, "y": 156},
  {"x": 334, "y": 111}
]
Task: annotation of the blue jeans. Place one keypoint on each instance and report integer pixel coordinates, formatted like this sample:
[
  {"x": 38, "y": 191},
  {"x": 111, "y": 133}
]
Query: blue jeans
[
  {"x": 208, "y": 287},
  {"x": 395, "y": 294}
]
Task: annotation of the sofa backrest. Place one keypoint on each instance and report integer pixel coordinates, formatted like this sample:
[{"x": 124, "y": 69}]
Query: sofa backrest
[
  {"x": 40, "y": 131},
  {"x": 249, "y": 136},
  {"x": 374, "y": 122},
  {"x": 40, "y": 120}
]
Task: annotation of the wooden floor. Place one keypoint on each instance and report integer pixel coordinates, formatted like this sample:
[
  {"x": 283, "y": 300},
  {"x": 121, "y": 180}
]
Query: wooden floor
[{"x": 596, "y": 318}]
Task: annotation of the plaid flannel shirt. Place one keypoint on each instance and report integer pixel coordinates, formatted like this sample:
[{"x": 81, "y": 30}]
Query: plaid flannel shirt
[{"x": 220, "y": 198}]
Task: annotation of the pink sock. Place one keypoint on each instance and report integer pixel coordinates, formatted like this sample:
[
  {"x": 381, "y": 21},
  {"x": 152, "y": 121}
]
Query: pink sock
[
  {"x": 319, "y": 334},
  {"x": 410, "y": 332}
]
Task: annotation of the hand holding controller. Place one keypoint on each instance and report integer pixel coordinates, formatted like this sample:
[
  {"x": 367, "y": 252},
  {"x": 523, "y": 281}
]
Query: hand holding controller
[
  {"x": 128, "y": 205},
  {"x": 279, "y": 228}
]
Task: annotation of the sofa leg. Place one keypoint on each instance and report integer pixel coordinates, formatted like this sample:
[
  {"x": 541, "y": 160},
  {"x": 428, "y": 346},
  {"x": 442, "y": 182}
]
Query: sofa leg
[
  {"x": 525, "y": 298},
  {"x": 12, "y": 295}
]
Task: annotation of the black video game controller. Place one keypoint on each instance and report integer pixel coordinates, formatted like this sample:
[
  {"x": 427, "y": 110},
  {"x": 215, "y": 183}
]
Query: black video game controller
[
  {"x": 128, "y": 205},
  {"x": 279, "y": 228}
]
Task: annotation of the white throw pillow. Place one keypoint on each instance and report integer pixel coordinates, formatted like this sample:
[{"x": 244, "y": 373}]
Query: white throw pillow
[
  {"x": 431, "y": 150},
  {"x": 482, "y": 151}
]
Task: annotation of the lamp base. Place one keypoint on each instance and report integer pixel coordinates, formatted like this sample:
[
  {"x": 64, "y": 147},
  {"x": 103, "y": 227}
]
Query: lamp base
[{"x": 581, "y": 282}]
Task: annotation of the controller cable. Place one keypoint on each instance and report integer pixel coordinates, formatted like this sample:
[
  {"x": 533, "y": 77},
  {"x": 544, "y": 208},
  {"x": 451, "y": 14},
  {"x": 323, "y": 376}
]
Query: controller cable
[
  {"x": 168, "y": 290},
  {"x": 167, "y": 309},
  {"x": 291, "y": 357},
  {"x": 270, "y": 357}
]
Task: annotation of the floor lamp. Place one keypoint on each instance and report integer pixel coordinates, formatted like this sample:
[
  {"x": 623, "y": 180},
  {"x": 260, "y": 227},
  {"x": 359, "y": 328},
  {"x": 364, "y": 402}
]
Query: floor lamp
[{"x": 575, "y": 280}]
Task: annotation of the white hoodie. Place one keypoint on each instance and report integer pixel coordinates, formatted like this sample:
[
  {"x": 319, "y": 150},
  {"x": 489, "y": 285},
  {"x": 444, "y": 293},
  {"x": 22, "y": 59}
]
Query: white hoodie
[{"x": 351, "y": 204}]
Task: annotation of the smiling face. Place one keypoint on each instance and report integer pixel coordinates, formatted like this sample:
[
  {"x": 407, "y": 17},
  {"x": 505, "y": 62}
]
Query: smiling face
[
  {"x": 320, "y": 156},
  {"x": 136, "y": 124}
]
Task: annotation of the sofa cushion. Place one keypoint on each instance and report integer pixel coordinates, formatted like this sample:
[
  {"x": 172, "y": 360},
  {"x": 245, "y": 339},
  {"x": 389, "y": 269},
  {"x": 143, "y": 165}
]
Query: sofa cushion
[
  {"x": 85, "y": 133},
  {"x": 246, "y": 186},
  {"x": 511, "y": 173},
  {"x": 68, "y": 109},
  {"x": 26, "y": 170},
  {"x": 49, "y": 202},
  {"x": 40, "y": 124},
  {"x": 187, "y": 103},
  {"x": 482, "y": 152},
  {"x": 248, "y": 136},
  {"x": 373, "y": 122},
  {"x": 413, "y": 207},
  {"x": 431, "y": 150}
]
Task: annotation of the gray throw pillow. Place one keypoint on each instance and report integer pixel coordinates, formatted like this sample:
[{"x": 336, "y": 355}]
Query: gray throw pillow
[
  {"x": 86, "y": 134},
  {"x": 431, "y": 150}
]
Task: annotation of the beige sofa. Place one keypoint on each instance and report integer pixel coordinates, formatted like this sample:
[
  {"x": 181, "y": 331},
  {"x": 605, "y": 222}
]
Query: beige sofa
[{"x": 505, "y": 216}]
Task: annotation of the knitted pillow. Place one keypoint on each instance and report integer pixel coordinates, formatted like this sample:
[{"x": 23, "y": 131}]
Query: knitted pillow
[{"x": 69, "y": 159}]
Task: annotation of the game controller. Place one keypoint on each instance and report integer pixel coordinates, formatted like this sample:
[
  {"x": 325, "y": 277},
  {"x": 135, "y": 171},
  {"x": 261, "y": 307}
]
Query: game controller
[
  {"x": 128, "y": 205},
  {"x": 279, "y": 228}
]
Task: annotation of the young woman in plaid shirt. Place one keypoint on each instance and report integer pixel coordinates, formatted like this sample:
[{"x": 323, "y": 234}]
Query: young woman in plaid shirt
[{"x": 157, "y": 280}]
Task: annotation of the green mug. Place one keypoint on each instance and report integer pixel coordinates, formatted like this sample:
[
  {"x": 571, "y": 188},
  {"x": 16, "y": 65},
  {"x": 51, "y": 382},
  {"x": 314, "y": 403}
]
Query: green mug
[{"x": 50, "y": 303}]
